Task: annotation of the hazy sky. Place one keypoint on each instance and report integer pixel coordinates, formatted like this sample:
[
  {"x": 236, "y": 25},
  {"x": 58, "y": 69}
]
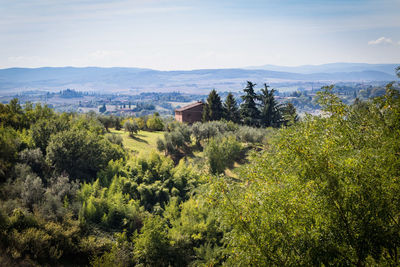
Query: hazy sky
[{"x": 174, "y": 34}]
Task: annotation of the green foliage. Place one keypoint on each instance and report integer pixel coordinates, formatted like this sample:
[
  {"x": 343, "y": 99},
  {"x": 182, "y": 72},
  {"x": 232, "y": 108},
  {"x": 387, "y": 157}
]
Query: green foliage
[
  {"x": 80, "y": 153},
  {"x": 9, "y": 145},
  {"x": 222, "y": 153},
  {"x": 152, "y": 244},
  {"x": 115, "y": 139},
  {"x": 251, "y": 135},
  {"x": 29, "y": 237},
  {"x": 176, "y": 141},
  {"x": 289, "y": 114},
  {"x": 141, "y": 123},
  {"x": 34, "y": 159},
  {"x": 155, "y": 181},
  {"x": 249, "y": 113},
  {"x": 155, "y": 123},
  {"x": 121, "y": 253},
  {"x": 213, "y": 110},
  {"x": 270, "y": 115},
  {"x": 32, "y": 191},
  {"x": 12, "y": 115},
  {"x": 110, "y": 121},
  {"x": 328, "y": 187},
  {"x": 110, "y": 207},
  {"x": 231, "y": 111},
  {"x": 131, "y": 127},
  {"x": 193, "y": 228}
]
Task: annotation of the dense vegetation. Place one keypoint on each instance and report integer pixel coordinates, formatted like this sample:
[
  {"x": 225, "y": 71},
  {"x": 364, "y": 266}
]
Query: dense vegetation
[
  {"x": 324, "y": 190},
  {"x": 257, "y": 110}
]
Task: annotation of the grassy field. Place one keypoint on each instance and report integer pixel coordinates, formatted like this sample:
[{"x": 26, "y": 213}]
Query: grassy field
[{"x": 142, "y": 143}]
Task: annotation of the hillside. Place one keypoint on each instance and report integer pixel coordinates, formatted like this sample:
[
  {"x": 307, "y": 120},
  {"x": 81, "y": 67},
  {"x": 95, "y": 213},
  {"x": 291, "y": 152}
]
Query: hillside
[{"x": 135, "y": 80}]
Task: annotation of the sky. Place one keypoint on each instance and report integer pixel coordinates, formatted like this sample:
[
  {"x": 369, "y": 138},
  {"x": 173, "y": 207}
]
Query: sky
[{"x": 189, "y": 34}]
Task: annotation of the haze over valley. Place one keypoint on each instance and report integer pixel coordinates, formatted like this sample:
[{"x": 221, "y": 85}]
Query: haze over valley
[{"x": 136, "y": 80}]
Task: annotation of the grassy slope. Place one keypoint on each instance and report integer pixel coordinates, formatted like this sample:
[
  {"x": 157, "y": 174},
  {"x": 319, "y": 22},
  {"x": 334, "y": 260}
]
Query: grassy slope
[{"x": 143, "y": 143}]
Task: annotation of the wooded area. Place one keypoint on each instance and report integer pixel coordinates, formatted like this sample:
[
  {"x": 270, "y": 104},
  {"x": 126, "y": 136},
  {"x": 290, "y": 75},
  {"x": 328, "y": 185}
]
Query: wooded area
[{"x": 251, "y": 185}]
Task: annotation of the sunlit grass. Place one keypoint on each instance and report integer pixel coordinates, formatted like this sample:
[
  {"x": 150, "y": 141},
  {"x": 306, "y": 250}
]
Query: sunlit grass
[{"x": 142, "y": 143}]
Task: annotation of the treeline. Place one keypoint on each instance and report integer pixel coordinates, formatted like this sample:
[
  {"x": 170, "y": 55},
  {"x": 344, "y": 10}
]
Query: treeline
[{"x": 257, "y": 110}]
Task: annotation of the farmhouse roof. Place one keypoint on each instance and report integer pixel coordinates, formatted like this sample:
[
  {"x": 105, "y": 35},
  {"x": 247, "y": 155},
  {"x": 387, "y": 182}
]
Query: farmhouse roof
[{"x": 199, "y": 103}]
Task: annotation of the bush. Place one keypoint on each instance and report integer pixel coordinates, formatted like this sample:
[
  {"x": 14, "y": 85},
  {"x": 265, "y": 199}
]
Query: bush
[
  {"x": 152, "y": 245},
  {"x": 176, "y": 141},
  {"x": 221, "y": 153},
  {"x": 141, "y": 123},
  {"x": 115, "y": 139},
  {"x": 155, "y": 123},
  {"x": 81, "y": 153},
  {"x": 247, "y": 134}
]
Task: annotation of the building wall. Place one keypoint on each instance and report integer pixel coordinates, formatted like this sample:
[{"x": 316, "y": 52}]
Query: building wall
[
  {"x": 178, "y": 116},
  {"x": 190, "y": 115}
]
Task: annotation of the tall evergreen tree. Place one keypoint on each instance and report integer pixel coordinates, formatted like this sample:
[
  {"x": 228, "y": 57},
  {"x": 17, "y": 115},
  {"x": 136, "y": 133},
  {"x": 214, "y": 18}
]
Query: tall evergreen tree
[
  {"x": 248, "y": 109},
  {"x": 270, "y": 110},
  {"x": 289, "y": 114},
  {"x": 231, "y": 111},
  {"x": 213, "y": 110}
]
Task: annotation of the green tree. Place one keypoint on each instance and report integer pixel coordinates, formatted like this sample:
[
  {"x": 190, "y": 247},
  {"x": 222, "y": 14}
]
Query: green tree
[
  {"x": 270, "y": 110},
  {"x": 131, "y": 127},
  {"x": 249, "y": 113},
  {"x": 9, "y": 145},
  {"x": 155, "y": 123},
  {"x": 80, "y": 153},
  {"x": 289, "y": 114},
  {"x": 141, "y": 123},
  {"x": 231, "y": 111},
  {"x": 213, "y": 110}
]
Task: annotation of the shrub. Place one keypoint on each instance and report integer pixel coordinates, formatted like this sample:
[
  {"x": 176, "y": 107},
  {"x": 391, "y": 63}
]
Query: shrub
[
  {"x": 221, "y": 153},
  {"x": 247, "y": 134},
  {"x": 155, "y": 123},
  {"x": 115, "y": 139},
  {"x": 81, "y": 153}
]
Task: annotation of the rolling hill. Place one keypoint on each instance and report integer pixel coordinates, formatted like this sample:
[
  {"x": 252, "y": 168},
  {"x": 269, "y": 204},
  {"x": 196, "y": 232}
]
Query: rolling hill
[{"x": 136, "y": 80}]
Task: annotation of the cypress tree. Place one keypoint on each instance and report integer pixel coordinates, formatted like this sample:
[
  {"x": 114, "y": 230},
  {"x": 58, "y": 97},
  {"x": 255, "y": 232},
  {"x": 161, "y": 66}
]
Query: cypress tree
[
  {"x": 231, "y": 112},
  {"x": 213, "y": 110},
  {"x": 248, "y": 109}
]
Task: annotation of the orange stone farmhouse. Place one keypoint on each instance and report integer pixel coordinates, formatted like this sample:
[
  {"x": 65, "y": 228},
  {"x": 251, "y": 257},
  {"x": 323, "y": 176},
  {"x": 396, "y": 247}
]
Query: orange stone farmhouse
[{"x": 190, "y": 113}]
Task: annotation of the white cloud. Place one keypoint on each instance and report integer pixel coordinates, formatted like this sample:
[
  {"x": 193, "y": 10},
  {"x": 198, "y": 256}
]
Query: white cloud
[{"x": 381, "y": 40}]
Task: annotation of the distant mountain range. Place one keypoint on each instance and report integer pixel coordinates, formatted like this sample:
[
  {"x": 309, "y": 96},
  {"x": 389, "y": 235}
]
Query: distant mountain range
[
  {"x": 136, "y": 80},
  {"x": 331, "y": 68}
]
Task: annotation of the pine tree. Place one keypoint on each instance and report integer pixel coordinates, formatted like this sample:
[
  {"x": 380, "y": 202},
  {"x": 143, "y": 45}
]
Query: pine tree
[
  {"x": 270, "y": 110},
  {"x": 289, "y": 114},
  {"x": 231, "y": 112},
  {"x": 248, "y": 109},
  {"x": 213, "y": 110}
]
